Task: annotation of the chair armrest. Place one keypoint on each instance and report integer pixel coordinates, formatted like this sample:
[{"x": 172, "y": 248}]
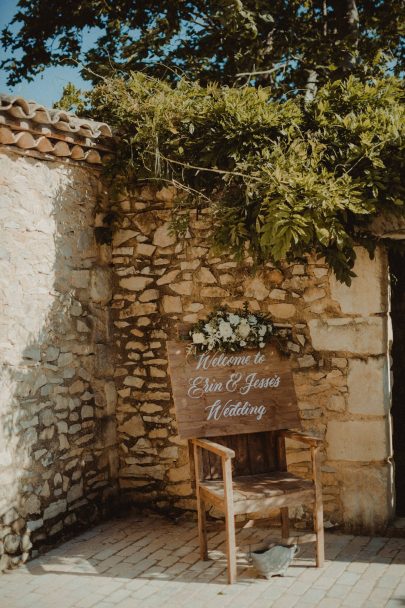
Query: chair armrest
[
  {"x": 217, "y": 448},
  {"x": 297, "y": 436}
]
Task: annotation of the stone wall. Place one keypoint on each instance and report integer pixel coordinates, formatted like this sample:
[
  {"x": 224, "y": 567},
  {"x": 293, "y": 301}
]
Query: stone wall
[
  {"x": 339, "y": 352},
  {"x": 85, "y": 405},
  {"x": 58, "y": 453}
]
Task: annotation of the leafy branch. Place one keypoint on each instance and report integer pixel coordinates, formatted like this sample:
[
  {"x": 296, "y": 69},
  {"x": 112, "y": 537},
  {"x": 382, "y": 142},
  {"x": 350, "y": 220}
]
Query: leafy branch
[{"x": 282, "y": 179}]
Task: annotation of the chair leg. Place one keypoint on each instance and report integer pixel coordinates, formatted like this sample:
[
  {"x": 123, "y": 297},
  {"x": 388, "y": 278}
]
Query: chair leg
[
  {"x": 231, "y": 547},
  {"x": 285, "y": 522},
  {"x": 202, "y": 529},
  {"x": 318, "y": 525}
]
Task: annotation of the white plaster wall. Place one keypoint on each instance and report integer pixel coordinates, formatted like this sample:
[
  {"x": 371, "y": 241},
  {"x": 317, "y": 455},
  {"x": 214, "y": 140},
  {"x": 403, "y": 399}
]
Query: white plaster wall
[{"x": 57, "y": 446}]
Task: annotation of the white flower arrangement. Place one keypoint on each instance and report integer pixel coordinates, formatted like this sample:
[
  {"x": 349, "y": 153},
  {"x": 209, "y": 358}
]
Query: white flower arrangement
[{"x": 229, "y": 331}]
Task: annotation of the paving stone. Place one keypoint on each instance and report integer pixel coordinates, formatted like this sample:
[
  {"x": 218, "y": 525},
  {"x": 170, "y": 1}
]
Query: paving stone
[{"x": 125, "y": 564}]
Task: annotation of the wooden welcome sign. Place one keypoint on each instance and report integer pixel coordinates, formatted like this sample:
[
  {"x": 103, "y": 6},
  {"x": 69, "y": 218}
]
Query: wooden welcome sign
[{"x": 230, "y": 393}]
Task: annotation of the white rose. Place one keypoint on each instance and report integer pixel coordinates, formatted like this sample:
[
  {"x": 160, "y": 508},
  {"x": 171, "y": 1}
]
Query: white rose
[
  {"x": 252, "y": 319},
  {"x": 262, "y": 344},
  {"x": 199, "y": 338},
  {"x": 242, "y": 343},
  {"x": 244, "y": 329},
  {"x": 233, "y": 319},
  {"x": 210, "y": 328},
  {"x": 225, "y": 330}
]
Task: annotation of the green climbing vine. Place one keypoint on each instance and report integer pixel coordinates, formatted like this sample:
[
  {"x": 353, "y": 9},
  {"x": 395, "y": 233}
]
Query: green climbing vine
[{"x": 281, "y": 178}]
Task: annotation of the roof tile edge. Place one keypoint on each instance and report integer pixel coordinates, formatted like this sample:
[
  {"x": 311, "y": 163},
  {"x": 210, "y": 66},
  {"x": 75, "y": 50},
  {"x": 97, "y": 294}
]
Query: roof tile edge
[{"x": 30, "y": 126}]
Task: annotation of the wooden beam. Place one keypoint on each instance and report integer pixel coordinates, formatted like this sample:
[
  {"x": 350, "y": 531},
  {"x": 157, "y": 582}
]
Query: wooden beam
[
  {"x": 229, "y": 520},
  {"x": 217, "y": 448}
]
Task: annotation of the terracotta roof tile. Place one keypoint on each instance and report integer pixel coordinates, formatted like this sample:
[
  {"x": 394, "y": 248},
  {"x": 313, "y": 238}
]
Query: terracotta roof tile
[{"x": 30, "y": 126}]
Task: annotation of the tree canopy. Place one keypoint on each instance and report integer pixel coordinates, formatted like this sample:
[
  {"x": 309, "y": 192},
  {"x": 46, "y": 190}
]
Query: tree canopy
[
  {"x": 288, "y": 44},
  {"x": 217, "y": 98},
  {"x": 280, "y": 178}
]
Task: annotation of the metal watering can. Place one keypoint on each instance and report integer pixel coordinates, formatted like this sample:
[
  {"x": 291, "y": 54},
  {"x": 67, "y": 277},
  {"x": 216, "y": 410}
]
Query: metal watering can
[{"x": 274, "y": 560}]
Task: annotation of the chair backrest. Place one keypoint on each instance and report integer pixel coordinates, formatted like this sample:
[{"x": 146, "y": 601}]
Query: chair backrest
[{"x": 254, "y": 453}]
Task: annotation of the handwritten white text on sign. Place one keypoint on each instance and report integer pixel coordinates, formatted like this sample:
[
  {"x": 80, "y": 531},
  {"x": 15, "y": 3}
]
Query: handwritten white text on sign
[
  {"x": 237, "y": 382},
  {"x": 230, "y": 393}
]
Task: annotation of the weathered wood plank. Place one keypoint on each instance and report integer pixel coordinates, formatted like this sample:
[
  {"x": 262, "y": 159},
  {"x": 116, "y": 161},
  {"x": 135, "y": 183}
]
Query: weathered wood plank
[
  {"x": 229, "y": 520},
  {"x": 202, "y": 522},
  {"x": 219, "y": 394},
  {"x": 318, "y": 509}
]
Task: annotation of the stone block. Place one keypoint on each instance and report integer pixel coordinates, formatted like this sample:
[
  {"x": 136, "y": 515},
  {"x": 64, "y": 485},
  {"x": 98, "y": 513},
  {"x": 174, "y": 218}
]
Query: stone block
[
  {"x": 87, "y": 411},
  {"x": 138, "y": 309},
  {"x": 80, "y": 279},
  {"x": 358, "y": 335},
  {"x": 306, "y": 361},
  {"x": 368, "y": 386},
  {"x": 34, "y": 524},
  {"x": 136, "y": 470},
  {"x": 167, "y": 193},
  {"x": 133, "y": 381},
  {"x": 12, "y": 543},
  {"x": 151, "y": 408},
  {"x": 366, "y": 293},
  {"x": 172, "y": 304},
  {"x": 204, "y": 275},
  {"x": 158, "y": 433},
  {"x": 180, "y": 489},
  {"x": 100, "y": 285},
  {"x": 184, "y": 288},
  {"x": 54, "y": 509},
  {"x": 214, "y": 292},
  {"x": 65, "y": 359},
  {"x": 145, "y": 249},
  {"x": 366, "y": 496},
  {"x": 282, "y": 311},
  {"x": 164, "y": 236},
  {"x": 255, "y": 288},
  {"x": 133, "y": 427},
  {"x": 75, "y": 492},
  {"x": 358, "y": 440},
  {"x": 277, "y": 294},
  {"x": 311, "y": 294},
  {"x": 32, "y": 352},
  {"x": 168, "y": 277},
  {"x": 179, "y": 473},
  {"x": 137, "y": 283},
  {"x": 122, "y": 236},
  {"x": 31, "y": 505},
  {"x": 149, "y": 295},
  {"x": 171, "y": 453},
  {"x": 336, "y": 403}
]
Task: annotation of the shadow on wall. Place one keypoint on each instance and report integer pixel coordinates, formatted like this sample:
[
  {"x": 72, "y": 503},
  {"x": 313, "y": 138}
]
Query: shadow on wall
[{"x": 58, "y": 454}]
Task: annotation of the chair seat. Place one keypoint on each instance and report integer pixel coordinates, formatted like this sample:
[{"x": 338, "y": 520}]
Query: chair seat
[{"x": 253, "y": 493}]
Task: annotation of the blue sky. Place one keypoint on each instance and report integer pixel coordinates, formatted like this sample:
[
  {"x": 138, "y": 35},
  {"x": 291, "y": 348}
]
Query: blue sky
[{"x": 47, "y": 87}]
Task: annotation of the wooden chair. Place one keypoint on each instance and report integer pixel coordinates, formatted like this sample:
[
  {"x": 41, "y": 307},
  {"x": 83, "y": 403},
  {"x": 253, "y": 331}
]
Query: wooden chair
[
  {"x": 242, "y": 468},
  {"x": 247, "y": 475}
]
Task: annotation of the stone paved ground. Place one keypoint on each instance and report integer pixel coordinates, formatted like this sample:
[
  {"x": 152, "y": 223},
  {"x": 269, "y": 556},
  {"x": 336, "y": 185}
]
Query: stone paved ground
[{"x": 153, "y": 563}]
